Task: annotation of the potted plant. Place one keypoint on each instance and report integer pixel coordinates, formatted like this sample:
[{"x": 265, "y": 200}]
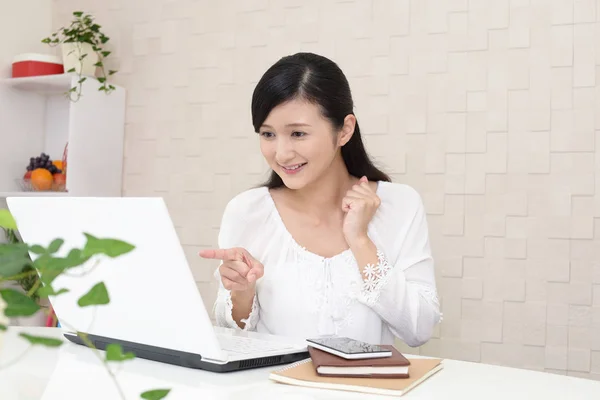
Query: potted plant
[
  {"x": 83, "y": 51},
  {"x": 16, "y": 264}
]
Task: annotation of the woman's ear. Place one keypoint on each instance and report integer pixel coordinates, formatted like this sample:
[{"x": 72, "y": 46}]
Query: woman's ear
[{"x": 347, "y": 130}]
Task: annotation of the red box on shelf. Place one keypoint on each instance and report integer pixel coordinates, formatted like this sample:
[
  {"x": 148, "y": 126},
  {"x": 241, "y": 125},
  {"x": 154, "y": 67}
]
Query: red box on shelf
[{"x": 31, "y": 64}]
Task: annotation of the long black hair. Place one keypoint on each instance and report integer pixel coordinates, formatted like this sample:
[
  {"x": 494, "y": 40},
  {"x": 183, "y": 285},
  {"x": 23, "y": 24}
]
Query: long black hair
[{"x": 319, "y": 80}]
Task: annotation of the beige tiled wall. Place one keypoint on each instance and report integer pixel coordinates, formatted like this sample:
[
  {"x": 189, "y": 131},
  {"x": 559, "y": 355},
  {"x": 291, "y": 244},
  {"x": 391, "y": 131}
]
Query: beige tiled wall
[
  {"x": 23, "y": 24},
  {"x": 490, "y": 108}
]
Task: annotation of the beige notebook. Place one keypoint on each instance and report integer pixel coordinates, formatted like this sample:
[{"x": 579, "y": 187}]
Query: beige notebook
[{"x": 303, "y": 373}]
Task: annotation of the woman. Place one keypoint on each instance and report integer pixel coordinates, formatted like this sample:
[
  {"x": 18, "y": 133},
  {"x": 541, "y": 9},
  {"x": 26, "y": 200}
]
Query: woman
[{"x": 328, "y": 246}]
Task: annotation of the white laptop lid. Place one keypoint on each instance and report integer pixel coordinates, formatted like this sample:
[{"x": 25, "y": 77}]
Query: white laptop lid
[{"x": 154, "y": 299}]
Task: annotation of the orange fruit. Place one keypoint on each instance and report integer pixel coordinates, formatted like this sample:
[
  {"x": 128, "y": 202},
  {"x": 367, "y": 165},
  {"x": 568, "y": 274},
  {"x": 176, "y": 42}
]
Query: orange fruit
[
  {"x": 58, "y": 164},
  {"x": 41, "y": 179}
]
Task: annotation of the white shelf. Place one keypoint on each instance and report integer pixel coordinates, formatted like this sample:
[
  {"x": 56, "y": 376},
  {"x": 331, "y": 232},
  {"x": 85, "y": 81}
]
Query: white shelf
[
  {"x": 36, "y": 117},
  {"x": 45, "y": 84},
  {"x": 33, "y": 194}
]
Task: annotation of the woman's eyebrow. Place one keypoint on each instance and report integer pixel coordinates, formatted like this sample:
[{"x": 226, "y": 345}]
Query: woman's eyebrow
[{"x": 294, "y": 124}]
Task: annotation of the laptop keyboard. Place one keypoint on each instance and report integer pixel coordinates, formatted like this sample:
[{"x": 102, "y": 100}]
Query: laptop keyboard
[{"x": 244, "y": 345}]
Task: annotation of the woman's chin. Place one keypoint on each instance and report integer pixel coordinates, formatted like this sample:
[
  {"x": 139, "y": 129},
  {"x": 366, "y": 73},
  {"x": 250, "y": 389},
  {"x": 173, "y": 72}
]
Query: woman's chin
[{"x": 293, "y": 181}]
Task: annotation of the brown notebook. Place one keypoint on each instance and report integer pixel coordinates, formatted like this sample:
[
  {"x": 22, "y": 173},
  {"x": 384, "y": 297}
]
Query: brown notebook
[
  {"x": 328, "y": 364},
  {"x": 303, "y": 373}
]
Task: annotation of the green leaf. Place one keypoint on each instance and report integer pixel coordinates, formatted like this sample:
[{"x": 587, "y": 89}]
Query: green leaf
[
  {"x": 99, "y": 64},
  {"x": 50, "y": 267},
  {"x": 98, "y": 295},
  {"x": 101, "y": 79},
  {"x": 6, "y": 220},
  {"x": 78, "y": 14},
  {"x": 42, "y": 341},
  {"x": 48, "y": 290},
  {"x": 55, "y": 245},
  {"x": 82, "y": 80},
  {"x": 114, "y": 352},
  {"x": 46, "y": 40},
  {"x": 72, "y": 70},
  {"x": 3, "y": 327},
  {"x": 111, "y": 72},
  {"x": 14, "y": 257},
  {"x": 105, "y": 53},
  {"x": 75, "y": 258},
  {"x": 110, "y": 247},
  {"x": 155, "y": 394},
  {"x": 18, "y": 304},
  {"x": 37, "y": 249}
]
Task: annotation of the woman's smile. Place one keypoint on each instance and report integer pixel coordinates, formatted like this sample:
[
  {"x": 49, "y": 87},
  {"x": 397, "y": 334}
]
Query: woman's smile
[{"x": 293, "y": 168}]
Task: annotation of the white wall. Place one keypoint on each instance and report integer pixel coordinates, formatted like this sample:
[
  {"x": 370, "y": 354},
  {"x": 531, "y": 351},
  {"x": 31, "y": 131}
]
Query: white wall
[
  {"x": 23, "y": 24},
  {"x": 490, "y": 108}
]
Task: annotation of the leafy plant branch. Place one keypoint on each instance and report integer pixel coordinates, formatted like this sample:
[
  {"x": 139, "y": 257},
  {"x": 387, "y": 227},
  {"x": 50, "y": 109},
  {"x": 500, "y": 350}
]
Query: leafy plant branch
[
  {"x": 47, "y": 266},
  {"x": 19, "y": 276}
]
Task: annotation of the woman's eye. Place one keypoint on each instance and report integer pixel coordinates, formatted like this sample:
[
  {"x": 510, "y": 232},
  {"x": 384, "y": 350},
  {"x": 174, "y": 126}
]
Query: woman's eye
[
  {"x": 298, "y": 134},
  {"x": 267, "y": 134}
]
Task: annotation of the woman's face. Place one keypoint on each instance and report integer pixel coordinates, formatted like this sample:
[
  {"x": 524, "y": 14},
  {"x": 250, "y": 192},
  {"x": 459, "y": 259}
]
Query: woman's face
[{"x": 299, "y": 144}]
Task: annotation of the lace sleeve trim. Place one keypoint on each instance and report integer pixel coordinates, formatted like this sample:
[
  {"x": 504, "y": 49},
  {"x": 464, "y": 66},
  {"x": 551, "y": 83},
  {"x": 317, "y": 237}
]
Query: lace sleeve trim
[
  {"x": 375, "y": 278},
  {"x": 250, "y": 322}
]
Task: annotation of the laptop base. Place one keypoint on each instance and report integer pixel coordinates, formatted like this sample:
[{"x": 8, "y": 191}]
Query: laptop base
[{"x": 184, "y": 359}]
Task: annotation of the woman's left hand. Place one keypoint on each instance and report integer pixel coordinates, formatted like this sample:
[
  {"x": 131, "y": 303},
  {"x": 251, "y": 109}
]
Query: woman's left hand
[{"x": 360, "y": 204}]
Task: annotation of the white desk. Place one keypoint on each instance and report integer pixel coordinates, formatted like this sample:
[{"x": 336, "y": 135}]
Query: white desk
[{"x": 73, "y": 372}]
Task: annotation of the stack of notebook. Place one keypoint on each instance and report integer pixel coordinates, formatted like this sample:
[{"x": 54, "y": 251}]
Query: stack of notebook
[{"x": 394, "y": 375}]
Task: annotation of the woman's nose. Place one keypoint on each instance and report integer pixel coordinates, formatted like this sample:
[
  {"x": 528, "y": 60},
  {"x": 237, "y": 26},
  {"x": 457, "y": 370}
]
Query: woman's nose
[{"x": 284, "y": 151}]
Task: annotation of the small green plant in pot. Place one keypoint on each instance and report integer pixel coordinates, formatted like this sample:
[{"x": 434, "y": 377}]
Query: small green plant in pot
[
  {"x": 47, "y": 265},
  {"x": 83, "y": 49}
]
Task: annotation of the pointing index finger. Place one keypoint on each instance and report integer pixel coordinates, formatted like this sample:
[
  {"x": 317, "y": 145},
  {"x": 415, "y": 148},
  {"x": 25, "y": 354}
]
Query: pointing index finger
[
  {"x": 219, "y": 254},
  {"x": 234, "y": 254}
]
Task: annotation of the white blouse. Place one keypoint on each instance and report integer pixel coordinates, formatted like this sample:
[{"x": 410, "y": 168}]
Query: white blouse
[{"x": 304, "y": 295}]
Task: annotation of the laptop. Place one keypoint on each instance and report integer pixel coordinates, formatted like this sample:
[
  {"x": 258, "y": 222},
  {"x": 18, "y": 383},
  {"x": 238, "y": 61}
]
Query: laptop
[{"x": 155, "y": 308}]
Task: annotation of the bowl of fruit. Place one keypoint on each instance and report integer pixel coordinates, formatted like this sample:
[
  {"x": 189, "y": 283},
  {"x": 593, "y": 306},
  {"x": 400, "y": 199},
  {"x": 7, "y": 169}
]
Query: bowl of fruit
[{"x": 44, "y": 175}]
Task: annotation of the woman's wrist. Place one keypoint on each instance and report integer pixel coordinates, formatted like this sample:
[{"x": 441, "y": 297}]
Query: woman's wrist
[
  {"x": 359, "y": 242},
  {"x": 243, "y": 295},
  {"x": 365, "y": 252}
]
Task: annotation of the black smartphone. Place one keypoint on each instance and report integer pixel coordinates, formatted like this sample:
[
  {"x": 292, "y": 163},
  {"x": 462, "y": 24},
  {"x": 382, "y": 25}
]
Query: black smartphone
[{"x": 349, "y": 348}]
